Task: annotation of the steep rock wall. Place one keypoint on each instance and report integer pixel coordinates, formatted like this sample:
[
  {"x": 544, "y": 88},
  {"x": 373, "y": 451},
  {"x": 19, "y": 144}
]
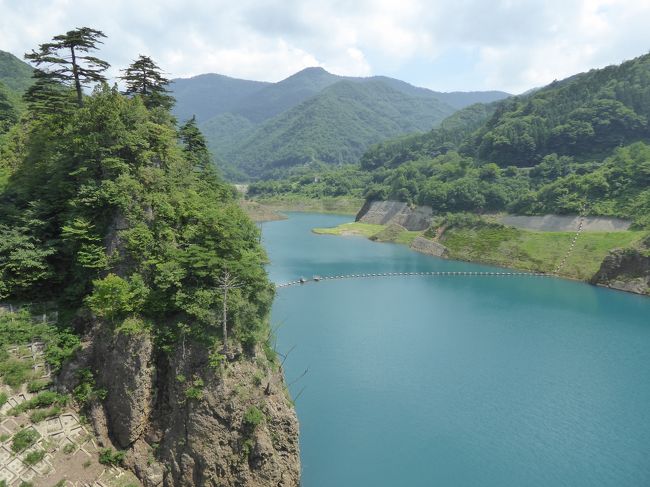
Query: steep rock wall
[
  {"x": 182, "y": 422},
  {"x": 626, "y": 269}
]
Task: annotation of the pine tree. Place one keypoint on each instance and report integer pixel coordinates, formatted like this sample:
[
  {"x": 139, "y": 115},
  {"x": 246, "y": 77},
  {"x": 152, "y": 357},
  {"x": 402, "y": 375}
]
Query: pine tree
[
  {"x": 47, "y": 96},
  {"x": 67, "y": 60},
  {"x": 143, "y": 77},
  {"x": 194, "y": 145}
]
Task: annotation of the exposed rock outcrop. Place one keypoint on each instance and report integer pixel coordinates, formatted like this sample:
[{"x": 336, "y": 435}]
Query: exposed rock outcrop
[
  {"x": 210, "y": 441},
  {"x": 626, "y": 269},
  {"x": 126, "y": 371},
  {"x": 184, "y": 422}
]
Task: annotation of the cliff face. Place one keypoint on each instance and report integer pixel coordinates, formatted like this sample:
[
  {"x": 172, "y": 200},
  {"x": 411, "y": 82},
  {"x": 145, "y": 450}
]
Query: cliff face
[
  {"x": 626, "y": 269},
  {"x": 184, "y": 422}
]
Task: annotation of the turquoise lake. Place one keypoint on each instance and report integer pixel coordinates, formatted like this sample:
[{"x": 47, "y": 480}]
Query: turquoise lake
[{"x": 456, "y": 381}]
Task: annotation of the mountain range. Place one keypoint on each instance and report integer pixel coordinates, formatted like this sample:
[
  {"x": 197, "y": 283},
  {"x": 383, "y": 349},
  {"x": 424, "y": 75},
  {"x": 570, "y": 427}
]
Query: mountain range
[
  {"x": 262, "y": 130},
  {"x": 258, "y": 130},
  {"x": 575, "y": 145}
]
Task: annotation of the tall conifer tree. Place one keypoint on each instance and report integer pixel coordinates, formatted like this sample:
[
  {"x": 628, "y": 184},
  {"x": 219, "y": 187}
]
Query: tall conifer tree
[
  {"x": 67, "y": 59},
  {"x": 143, "y": 77}
]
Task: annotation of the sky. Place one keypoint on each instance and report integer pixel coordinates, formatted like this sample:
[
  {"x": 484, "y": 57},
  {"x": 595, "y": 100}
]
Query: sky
[{"x": 445, "y": 45}]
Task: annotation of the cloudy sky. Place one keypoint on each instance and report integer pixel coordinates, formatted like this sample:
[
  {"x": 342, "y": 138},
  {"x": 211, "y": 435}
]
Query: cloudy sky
[{"x": 510, "y": 45}]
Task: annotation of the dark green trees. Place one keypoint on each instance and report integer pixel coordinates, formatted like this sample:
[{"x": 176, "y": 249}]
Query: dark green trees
[
  {"x": 143, "y": 77},
  {"x": 109, "y": 205},
  {"x": 194, "y": 144},
  {"x": 67, "y": 59},
  {"x": 8, "y": 115}
]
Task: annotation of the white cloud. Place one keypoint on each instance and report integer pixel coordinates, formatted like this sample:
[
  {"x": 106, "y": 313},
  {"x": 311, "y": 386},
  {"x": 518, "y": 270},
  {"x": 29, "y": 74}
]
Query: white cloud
[{"x": 512, "y": 44}]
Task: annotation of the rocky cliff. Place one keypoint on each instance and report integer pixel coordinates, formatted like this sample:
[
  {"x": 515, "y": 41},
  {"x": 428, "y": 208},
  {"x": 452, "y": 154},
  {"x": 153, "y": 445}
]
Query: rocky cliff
[
  {"x": 626, "y": 269},
  {"x": 184, "y": 420}
]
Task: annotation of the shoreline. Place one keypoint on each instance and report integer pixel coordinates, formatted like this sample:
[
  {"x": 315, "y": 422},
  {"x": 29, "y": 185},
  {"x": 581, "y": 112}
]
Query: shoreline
[{"x": 404, "y": 237}]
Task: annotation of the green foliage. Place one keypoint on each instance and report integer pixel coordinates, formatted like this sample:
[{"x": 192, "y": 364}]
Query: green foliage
[
  {"x": 195, "y": 389},
  {"x": 43, "y": 414},
  {"x": 14, "y": 73},
  {"x": 69, "y": 448},
  {"x": 87, "y": 391},
  {"x": 24, "y": 439},
  {"x": 67, "y": 59},
  {"x": 144, "y": 78},
  {"x": 114, "y": 297},
  {"x": 335, "y": 127},
  {"x": 8, "y": 110},
  {"x": 567, "y": 146},
  {"x": 38, "y": 385},
  {"x": 194, "y": 145},
  {"x": 32, "y": 458},
  {"x": 108, "y": 204},
  {"x": 253, "y": 417},
  {"x": 261, "y": 129},
  {"x": 4, "y": 397},
  {"x": 23, "y": 261},
  {"x": 108, "y": 456},
  {"x": 216, "y": 358},
  {"x": 20, "y": 329},
  {"x": 133, "y": 325},
  {"x": 43, "y": 399},
  {"x": 247, "y": 448},
  {"x": 15, "y": 372},
  {"x": 470, "y": 238}
]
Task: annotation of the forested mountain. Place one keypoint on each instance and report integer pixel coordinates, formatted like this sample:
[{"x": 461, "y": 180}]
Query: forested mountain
[
  {"x": 580, "y": 144},
  {"x": 208, "y": 95},
  {"x": 15, "y": 78},
  {"x": 14, "y": 73},
  {"x": 243, "y": 120},
  {"x": 334, "y": 127},
  {"x": 277, "y": 98}
]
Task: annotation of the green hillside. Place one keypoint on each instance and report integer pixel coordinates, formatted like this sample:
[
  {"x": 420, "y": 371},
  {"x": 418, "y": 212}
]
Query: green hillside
[
  {"x": 581, "y": 143},
  {"x": 243, "y": 120},
  {"x": 284, "y": 95},
  {"x": 14, "y": 73},
  {"x": 584, "y": 116},
  {"x": 208, "y": 95},
  {"x": 335, "y": 127},
  {"x": 8, "y": 110}
]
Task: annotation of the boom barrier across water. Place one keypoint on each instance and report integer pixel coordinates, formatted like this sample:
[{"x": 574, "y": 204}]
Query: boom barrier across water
[{"x": 375, "y": 275}]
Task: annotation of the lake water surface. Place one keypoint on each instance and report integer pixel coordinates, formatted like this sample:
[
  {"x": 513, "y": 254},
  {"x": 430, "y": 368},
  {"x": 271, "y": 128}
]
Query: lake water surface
[{"x": 457, "y": 381}]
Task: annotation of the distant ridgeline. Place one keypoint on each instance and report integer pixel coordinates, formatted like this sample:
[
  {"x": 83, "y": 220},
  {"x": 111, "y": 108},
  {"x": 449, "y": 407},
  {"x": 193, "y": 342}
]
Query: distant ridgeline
[
  {"x": 263, "y": 130},
  {"x": 579, "y": 142}
]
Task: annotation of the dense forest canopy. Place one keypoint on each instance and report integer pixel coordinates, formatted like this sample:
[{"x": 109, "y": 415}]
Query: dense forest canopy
[
  {"x": 265, "y": 130},
  {"x": 109, "y": 205}
]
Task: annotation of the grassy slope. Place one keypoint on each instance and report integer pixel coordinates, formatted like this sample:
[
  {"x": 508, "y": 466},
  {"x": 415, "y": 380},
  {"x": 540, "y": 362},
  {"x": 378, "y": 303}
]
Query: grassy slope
[
  {"x": 539, "y": 251},
  {"x": 510, "y": 247}
]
